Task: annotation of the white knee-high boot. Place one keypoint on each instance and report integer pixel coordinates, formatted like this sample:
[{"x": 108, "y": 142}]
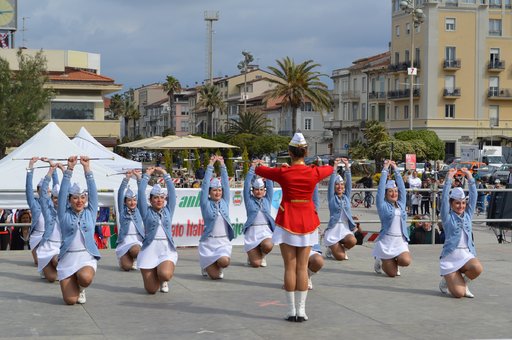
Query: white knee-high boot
[
  {"x": 301, "y": 310},
  {"x": 290, "y": 300}
]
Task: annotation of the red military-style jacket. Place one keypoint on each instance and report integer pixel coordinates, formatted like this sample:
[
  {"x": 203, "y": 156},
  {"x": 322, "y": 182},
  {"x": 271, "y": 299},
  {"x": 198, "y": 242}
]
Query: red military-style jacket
[{"x": 297, "y": 213}]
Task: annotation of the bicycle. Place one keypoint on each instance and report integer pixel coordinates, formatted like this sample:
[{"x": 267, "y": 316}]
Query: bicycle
[
  {"x": 356, "y": 199},
  {"x": 369, "y": 200}
]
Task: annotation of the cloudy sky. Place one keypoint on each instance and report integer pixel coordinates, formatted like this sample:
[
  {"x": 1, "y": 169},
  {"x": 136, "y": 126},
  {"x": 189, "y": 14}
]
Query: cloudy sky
[{"x": 141, "y": 42}]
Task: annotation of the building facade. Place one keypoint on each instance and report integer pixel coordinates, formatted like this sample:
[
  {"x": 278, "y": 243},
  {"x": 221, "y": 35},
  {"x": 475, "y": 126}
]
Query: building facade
[
  {"x": 79, "y": 88},
  {"x": 463, "y": 87}
]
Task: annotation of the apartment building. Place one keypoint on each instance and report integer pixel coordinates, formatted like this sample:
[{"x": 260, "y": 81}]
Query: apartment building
[
  {"x": 463, "y": 87},
  {"x": 144, "y": 97},
  {"x": 359, "y": 94},
  {"x": 79, "y": 90}
]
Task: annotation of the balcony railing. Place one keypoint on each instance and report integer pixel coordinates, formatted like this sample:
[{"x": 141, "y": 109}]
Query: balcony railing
[
  {"x": 452, "y": 3},
  {"x": 401, "y": 94},
  {"x": 451, "y": 64},
  {"x": 499, "y": 93},
  {"x": 377, "y": 95},
  {"x": 496, "y": 65},
  {"x": 402, "y": 67},
  {"x": 453, "y": 92}
]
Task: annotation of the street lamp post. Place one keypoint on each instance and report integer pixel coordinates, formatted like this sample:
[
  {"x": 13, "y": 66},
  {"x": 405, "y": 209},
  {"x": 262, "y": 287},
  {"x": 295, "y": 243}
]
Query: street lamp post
[
  {"x": 243, "y": 66},
  {"x": 417, "y": 17}
]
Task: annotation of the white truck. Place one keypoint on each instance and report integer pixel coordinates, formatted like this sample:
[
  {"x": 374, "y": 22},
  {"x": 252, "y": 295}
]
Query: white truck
[{"x": 493, "y": 155}]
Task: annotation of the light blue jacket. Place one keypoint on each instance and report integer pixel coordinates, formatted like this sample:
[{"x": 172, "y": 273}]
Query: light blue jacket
[
  {"x": 386, "y": 210},
  {"x": 316, "y": 201},
  {"x": 210, "y": 209},
  {"x": 152, "y": 217},
  {"x": 253, "y": 205},
  {"x": 126, "y": 216},
  {"x": 33, "y": 202},
  {"x": 337, "y": 204},
  {"x": 69, "y": 220},
  {"x": 454, "y": 224},
  {"x": 47, "y": 207}
]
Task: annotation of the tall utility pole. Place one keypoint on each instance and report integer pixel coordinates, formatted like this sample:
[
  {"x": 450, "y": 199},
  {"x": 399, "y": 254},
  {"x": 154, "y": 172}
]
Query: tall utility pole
[
  {"x": 243, "y": 66},
  {"x": 210, "y": 17},
  {"x": 23, "y": 30}
]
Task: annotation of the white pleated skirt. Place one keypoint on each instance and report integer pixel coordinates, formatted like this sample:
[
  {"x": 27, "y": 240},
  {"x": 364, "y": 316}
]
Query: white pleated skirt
[
  {"x": 282, "y": 236},
  {"x": 158, "y": 251},
  {"x": 35, "y": 238},
  {"x": 255, "y": 234},
  {"x": 73, "y": 261},
  {"x": 212, "y": 249},
  {"x": 128, "y": 242},
  {"x": 46, "y": 251},
  {"x": 390, "y": 246},
  {"x": 336, "y": 234},
  {"x": 454, "y": 261}
]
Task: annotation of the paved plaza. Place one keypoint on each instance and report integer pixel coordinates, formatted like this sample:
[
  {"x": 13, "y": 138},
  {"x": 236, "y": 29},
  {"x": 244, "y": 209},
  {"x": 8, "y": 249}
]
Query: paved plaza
[{"x": 348, "y": 301}]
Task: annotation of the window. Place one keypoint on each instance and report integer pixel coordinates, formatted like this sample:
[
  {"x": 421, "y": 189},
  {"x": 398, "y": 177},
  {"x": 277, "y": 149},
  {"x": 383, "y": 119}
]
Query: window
[
  {"x": 416, "y": 111},
  {"x": 408, "y": 28},
  {"x": 372, "y": 110},
  {"x": 363, "y": 111},
  {"x": 355, "y": 108},
  {"x": 469, "y": 1},
  {"x": 397, "y": 30},
  {"x": 449, "y": 53},
  {"x": 184, "y": 126},
  {"x": 397, "y": 58},
  {"x": 363, "y": 84},
  {"x": 494, "y": 115},
  {"x": 307, "y": 107},
  {"x": 495, "y": 3},
  {"x": 354, "y": 85},
  {"x": 449, "y": 83},
  {"x": 494, "y": 56},
  {"x": 406, "y": 112},
  {"x": 407, "y": 56},
  {"x": 308, "y": 122},
  {"x": 495, "y": 27},
  {"x": 449, "y": 24},
  {"x": 397, "y": 112},
  {"x": 72, "y": 110},
  {"x": 449, "y": 111},
  {"x": 494, "y": 86}
]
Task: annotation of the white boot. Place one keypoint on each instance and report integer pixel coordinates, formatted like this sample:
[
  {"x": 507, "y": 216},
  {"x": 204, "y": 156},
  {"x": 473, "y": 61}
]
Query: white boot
[
  {"x": 264, "y": 261},
  {"x": 164, "y": 287},
  {"x": 377, "y": 266},
  {"x": 443, "y": 286},
  {"x": 81, "y": 296},
  {"x": 310, "y": 283},
  {"x": 290, "y": 300},
  {"x": 301, "y": 310},
  {"x": 134, "y": 265},
  {"x": 468, "y": 294}
]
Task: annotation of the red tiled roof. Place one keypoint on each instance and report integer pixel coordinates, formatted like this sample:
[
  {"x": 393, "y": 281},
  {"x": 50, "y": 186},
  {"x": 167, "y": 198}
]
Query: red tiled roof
[{"x": 78, "y": 75}]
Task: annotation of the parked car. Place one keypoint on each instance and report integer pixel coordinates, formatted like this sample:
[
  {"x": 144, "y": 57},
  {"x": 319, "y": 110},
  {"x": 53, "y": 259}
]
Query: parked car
[
  {"x": 451, "y": 160},
  {"x": 443, "y": 171},
  {"x": 501, "y": 173}
]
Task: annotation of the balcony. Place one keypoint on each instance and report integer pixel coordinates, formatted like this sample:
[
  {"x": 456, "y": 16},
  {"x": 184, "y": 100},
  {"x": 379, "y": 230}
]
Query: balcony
[
  {"x": 496, "y": 66},
  {"x": 351, "y": 96},
  {"x": 332, "y": 124},
  {"x": 496, "y": 93},
  {"x": 402, "y": 94},
  {"x": 452, "y": 3},
  {"x": 452, "y": 93},
  {"x": 402, "y": 67},
  {"x": 451, "y": 64},
  {"x": 376, "y": 95}
]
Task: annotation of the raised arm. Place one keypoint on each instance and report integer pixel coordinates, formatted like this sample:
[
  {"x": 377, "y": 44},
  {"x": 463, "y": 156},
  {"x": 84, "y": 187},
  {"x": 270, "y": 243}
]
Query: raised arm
[
  {"x": 445, "y": 196},
  {"x": 472, "y": 192},
  {"x": 142, "y": 201},
  {"x": 247, "y": 183},
  {"x": 171, "y": 190},
  {"x": 120, "y": 191},
  {"x": 92, "y": 191},
  {"x": 29, "y": 188},
  {"x": 381, "y": 189},
  {"x": 402, "y": 194},
  {"x": 348, "y": 177},
  {"x": 332, "y": 179},
  {"x": 205, "y": 186},
  {"x": 64, "y": 187}
]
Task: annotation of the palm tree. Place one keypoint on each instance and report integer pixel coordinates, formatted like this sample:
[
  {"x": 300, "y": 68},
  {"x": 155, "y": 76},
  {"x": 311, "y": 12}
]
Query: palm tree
[
  {"x": 211, "y": 100},
  {"x": 253, "y": 122},
  {"x": 297, "y": 84},
  {"x": 171, "y": 86},
  {"x": 126, "y": 108},
  {"x": 116, "y": 105}
]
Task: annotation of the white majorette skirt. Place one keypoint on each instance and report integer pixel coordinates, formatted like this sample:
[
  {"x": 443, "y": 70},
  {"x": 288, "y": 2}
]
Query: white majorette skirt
[
  {"x": 129, "y": 241},
  {"x": 158, "y": 251},
  {"x": 46, "y": 251},
  {"x": 282, "y": 236},
  {"x": 336, "y": 234},
  {"x": 255, "y": 234},
  {"x": 454, "y": 261},
  {"x": 73, "y": 261},
  {"x": 212, "y": 249},
  {"x": 35, "y": 238},
  {"x": 390, "y": 246}
]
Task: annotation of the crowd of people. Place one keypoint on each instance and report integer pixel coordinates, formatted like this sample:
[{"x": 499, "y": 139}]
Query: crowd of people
[{"x": 63, "y": 218}]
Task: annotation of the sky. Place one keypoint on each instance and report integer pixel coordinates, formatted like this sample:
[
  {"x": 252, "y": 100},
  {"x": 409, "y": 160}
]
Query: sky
[{"x": 141, "y": 42}]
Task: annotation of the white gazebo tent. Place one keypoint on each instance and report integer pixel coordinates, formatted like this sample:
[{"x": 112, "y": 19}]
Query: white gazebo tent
[
  {"x": 85, "y": 141},
  {"x": 49, "y": 142}
]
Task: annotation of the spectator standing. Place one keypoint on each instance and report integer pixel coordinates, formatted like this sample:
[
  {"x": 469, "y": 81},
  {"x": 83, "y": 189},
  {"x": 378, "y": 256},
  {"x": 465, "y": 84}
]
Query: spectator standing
[{"x": 5, "y": 236}]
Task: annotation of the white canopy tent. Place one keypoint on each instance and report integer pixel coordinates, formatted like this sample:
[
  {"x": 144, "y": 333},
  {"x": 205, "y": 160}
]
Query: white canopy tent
[
  {"x": 50, "y": 142},
  {"x": 85, "y": 141}
]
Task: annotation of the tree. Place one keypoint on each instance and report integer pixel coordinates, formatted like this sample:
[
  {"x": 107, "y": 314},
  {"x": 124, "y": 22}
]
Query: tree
[
  {"x": 245, "y": 160},
  {"x": 435, "y": 149},
  {"x": 229, "y": 163},
  {"x": 197, "y": 160},
  {"x": 116, "y": 105},
  {"x": 253, "y": 122},
  {"x": 210, "y": 99},
  {"x": 171, "y": 86},
  {"x": 22, "y": 97},
  {"x": 298, "y": 84}
]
